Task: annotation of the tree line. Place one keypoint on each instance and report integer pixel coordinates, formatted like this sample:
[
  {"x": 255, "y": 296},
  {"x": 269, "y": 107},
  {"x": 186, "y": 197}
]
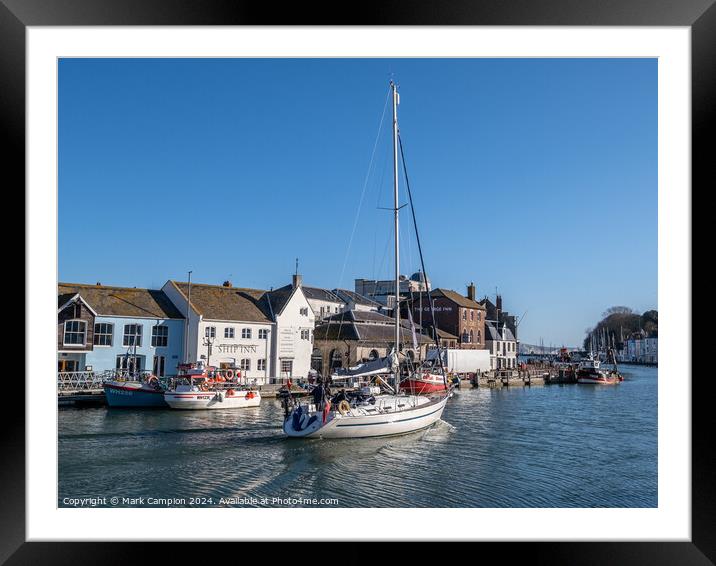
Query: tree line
[{"x": 618, "y": 324}]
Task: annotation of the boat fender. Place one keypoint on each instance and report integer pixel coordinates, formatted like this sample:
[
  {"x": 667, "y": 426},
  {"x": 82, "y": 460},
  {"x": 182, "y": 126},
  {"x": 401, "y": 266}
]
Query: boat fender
[
  {"x": 230, "y": 393},
  {"x": 344, "y": 407},
  {"x": 230, "y": 374},
  {"x": 250, "y": 395}
]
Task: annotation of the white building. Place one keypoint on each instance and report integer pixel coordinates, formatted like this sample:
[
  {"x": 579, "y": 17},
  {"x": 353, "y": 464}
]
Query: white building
[
  {"x": 265, "y": 334},
  {"x": 640, "y": 350},
  {"x": 324, "y": 303},
  {"x": 356, "y": 302},
  {"x": 502, "y": 345}
]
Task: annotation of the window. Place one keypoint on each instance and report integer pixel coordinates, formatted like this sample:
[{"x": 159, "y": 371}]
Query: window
[
  {"x": 245, "y": 364},
  {"x": 229, "y": 332},
  {"x": 103, "y": 332},
  {"x": 261, "y": 365},
  {"x": 75, "y": 333},
  {"x": 246, "y": 333},
  {"x": 305, "y": 334},
  {"x": 263, "y": 333},
  {"x": 479, "y": 336},
  {"x": 472, "y": 314},
  {"x": 304, "y": 311},
  {"x": 287, "y": 367},
  {"x": 479, "y": 315},
  {"x": 464, "y": 314},
  {"x": 158, "y": 366},
  {"x": 160, "y": 336},
  {"x": 132, "y": 335},
  {"x": 471, "y": 336},
  {"x": 210, "y": 332}
]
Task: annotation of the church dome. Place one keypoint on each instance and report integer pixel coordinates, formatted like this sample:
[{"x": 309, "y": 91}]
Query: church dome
[{"x": 419, "y": 277}]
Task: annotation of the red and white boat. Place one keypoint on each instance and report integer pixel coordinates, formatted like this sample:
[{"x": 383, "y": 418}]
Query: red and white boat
[
  {"x": 424, "y": 383},
  {"x": 204, "y": 387},
  {"x": 589, "y": 372}
]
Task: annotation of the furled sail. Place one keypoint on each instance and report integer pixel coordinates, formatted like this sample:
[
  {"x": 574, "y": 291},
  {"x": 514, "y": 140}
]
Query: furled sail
[{"x": 373, "y": 367}]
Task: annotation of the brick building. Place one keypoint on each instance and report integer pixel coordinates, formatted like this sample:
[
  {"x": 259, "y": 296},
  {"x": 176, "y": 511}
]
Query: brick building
[{"x": 456, "y": 316}]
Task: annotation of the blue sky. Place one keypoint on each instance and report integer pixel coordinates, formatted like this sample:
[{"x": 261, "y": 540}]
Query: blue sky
[{"x": 535, "y": 176}]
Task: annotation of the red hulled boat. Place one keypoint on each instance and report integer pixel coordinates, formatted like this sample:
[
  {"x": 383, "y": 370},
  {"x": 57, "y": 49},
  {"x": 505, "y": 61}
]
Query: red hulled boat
[{"x": 422, "y": 383}]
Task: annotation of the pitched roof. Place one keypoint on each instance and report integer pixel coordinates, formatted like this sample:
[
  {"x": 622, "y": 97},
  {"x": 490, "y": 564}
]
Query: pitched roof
[
  {"x": 447, "y": 335},
  {"x": 361, "y": 316},
  {"x": 454, "y": 296},
  {"x": 279, "y": 298},
  {"x": 320, "y": 294},
  {"x": 121, "y": 301},
  {"x": 64, "y": 298},
  {"x": 216, "y": 302},
  {"x": 491, "y": 332},
  {"x": 367, "y": 326},
  {"x": 358, "y": 299}
]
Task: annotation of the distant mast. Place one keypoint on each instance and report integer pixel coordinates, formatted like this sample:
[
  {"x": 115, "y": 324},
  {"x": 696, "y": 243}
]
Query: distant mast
[{"x": 397, "y": 252}]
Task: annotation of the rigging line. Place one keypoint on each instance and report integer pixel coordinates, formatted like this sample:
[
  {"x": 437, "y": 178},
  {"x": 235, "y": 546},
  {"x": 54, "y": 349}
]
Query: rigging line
[
  {"x": 420, "y": 251},
  {"x": 355, "y": 220},
  {"x": 365, "y": 184}
]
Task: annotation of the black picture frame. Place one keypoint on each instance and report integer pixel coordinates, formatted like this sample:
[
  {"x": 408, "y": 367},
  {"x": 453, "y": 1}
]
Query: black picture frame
[{"x": 700, "y": 15}]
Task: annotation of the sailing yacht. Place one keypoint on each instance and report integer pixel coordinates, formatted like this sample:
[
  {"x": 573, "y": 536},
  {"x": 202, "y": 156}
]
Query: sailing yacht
[{"x": 361, "y": 416}]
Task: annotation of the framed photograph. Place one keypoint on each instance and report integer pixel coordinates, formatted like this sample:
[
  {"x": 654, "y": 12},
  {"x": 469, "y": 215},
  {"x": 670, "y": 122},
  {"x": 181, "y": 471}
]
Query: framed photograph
[{"x": 390, "y": 279}]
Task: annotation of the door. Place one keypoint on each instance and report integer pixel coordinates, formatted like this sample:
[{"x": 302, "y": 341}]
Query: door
[
  {"x": 159, "y": 366},
  {"x": 66, "y": 365}
]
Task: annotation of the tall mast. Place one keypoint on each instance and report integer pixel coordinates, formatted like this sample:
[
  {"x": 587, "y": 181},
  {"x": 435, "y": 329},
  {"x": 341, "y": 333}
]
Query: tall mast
[
  {"x": 397, "y": 250},
  {"x": 186, "y": 332}
]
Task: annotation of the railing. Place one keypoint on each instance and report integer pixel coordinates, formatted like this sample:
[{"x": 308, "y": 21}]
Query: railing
[
  {"x": 79, "y": 381},
  {"x": 90, "y": 380}
]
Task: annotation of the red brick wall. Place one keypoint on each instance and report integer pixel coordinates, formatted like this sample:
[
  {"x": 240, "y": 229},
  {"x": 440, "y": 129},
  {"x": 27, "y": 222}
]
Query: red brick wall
[{"x": 448, "y": 317}]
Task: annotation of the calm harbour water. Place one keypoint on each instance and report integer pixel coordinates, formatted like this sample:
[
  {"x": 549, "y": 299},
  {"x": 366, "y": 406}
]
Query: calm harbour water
[{"x": 539, "y": 446}]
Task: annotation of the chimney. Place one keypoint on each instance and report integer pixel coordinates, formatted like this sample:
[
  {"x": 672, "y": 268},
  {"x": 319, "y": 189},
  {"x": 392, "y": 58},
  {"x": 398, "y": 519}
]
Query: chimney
[
  {"x": 471, "y": 291},
  {"x": 297, "y": 280},
  {"x": 227, "y": 283},
  {"x": 498, "y": 307}
]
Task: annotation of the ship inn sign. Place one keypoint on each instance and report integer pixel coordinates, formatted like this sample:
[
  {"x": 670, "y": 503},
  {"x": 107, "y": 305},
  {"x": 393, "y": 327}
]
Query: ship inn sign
[{"x": 237, "y": 348}]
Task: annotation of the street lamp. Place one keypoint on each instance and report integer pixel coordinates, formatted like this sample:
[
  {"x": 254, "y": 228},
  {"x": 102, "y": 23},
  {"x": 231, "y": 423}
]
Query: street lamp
[{"x": 208, "y": 342}]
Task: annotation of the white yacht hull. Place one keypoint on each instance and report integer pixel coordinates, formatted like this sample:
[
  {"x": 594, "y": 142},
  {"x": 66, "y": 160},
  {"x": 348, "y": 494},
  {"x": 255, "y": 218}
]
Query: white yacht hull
[
  {"x": 198, "y": 400},
  {"x": 356, "y": 425}
]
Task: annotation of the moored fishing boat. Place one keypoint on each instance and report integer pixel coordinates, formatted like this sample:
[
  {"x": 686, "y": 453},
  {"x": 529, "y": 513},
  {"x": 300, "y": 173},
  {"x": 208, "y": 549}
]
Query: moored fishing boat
[
  {"x": 590, "y": 372},
  {"x": 201, "y": 387},
  {"x": 134, "y": 393}
]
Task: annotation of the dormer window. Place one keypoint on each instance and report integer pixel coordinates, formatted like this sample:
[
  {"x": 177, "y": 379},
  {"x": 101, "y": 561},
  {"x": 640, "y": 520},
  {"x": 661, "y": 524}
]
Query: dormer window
[{"x": 75, "y": 332}]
